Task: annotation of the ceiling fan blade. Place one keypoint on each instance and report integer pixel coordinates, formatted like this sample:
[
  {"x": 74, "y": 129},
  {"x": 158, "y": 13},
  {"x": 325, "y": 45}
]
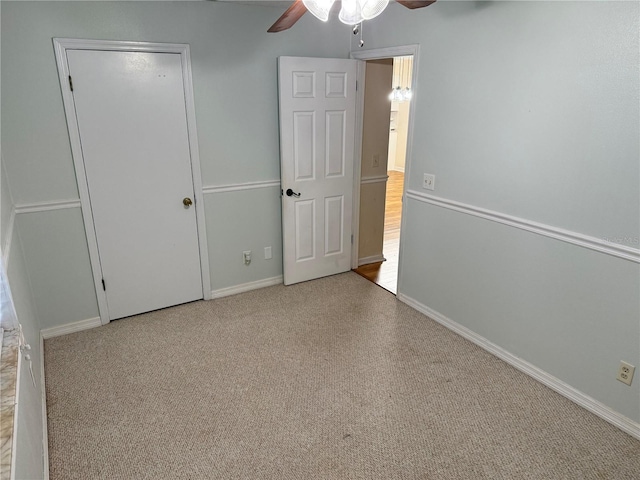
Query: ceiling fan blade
[
  {"x": 415, "y": 3},
  {"x": 290, "y": 17}
]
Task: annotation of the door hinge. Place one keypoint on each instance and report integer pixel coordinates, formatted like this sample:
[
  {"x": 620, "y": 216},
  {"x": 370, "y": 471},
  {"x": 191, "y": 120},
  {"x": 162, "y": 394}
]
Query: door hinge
[
  {"x": 104, "y": 285},
  {"x": 356, "y": 85},
  {"x": 352, "y": 239},
  {"x": 70, "y": 83}
]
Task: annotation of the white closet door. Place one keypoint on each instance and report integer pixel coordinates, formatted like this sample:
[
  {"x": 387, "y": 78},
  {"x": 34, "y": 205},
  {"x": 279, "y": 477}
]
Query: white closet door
[{"x": 131, "y": 114}]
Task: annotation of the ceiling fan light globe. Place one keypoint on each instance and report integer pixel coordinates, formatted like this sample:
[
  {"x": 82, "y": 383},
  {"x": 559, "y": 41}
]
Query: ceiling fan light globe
[
  {"x": 351, "y": 12},
  {"x": 373, "y": 8},
  {"x": 319, "y": 8}
]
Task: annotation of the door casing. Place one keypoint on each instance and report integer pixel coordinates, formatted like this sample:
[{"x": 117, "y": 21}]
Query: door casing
[
  {"x": 61, "y": 45},
  {"x": 376, "y": 54}
]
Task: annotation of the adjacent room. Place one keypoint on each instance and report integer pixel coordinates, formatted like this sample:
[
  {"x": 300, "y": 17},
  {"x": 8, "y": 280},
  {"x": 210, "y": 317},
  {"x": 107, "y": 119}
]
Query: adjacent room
[
  {"x": 192, "y": 192},
  {"x": 385, "y": 127}
]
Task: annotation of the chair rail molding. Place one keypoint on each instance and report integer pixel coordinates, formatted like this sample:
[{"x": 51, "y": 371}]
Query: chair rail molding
[
  {"x": 234, "y": 187},
  {"x": 47, "y": 206},
  {"x": 597, "y": 244},
  {"x": 374, "y": 179},
  {"x": 36, "y": 207}
]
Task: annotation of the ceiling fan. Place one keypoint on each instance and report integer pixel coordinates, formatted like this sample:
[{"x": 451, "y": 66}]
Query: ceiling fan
[{"x": 321, "y": 8}]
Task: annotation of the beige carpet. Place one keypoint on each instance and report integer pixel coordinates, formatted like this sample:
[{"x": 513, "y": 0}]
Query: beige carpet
[{"x": 330, "y": 379}]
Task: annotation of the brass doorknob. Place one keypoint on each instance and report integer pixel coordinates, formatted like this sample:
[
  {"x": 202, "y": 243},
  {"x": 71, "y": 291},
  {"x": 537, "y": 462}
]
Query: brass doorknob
[{"x": 186, "y": 201}]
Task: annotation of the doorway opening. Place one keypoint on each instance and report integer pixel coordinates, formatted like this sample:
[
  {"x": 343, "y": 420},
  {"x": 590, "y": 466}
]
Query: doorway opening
[{"x": 387, "y": 104}]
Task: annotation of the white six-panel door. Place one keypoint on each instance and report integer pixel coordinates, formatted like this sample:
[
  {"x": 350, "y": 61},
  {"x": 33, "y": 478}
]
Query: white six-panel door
[
  {"x": 317, "y": 124},
  {"x": 132, "y": 122}
]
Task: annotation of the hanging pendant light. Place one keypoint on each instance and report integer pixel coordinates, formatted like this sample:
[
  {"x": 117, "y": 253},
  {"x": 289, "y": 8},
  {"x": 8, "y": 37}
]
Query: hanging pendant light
[
  {"x": 407, "y": 93},
  {"x": 397, "y": 94},
  {"x": 400, "y": 93}
]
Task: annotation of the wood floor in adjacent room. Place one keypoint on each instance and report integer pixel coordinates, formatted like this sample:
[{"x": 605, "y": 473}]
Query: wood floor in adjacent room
[{"x": 385, "y": 273}]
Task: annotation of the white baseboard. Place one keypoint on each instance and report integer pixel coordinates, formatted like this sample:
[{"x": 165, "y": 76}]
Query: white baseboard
[
  {"x": 398, "y": 169},
  {"x": 246, "y": 287},
  {"x": 594, "y": 406},
  {"x": 45, "y": 433},
  {"x": 371, "y": 259},
  {"x": 70, "y": 328}
]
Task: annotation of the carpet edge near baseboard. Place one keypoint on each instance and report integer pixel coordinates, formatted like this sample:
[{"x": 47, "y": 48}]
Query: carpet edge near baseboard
[{"x": 599, "y": 409}]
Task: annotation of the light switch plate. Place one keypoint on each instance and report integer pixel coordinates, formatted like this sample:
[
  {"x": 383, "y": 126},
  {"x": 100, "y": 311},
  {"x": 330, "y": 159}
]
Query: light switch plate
[{"x": 429, "y": 181}]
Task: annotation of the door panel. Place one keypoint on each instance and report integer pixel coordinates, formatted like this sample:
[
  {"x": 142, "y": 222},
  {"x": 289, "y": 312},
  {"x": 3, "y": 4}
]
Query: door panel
[
  {"x": 305, "y": 229},
  {"x": 335, "y": 144},
  {"x": 131, "y": 114},
  {"x": 304, "y": 148},
  {"x": 333, "y": 225},
  {"x": 317, "y": 127}
]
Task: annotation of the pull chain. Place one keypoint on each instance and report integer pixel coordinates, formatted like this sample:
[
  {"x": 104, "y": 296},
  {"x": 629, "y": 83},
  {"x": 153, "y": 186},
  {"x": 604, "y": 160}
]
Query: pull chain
[{"x": 357, "y": 28}]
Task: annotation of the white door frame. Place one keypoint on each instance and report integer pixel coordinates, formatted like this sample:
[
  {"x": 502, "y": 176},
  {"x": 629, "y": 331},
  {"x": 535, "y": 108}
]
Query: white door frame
[
  {"x": 61, "y": 45},
  {"x": 376, "y": 54}
]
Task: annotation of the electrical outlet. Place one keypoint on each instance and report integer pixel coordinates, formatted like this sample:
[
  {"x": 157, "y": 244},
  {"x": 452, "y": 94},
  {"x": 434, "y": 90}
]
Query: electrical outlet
[
  {"x": 247, "y": 257},
  {"x": 267, "y": 253},
  {"x": 625, "y": 373},
  {"x": 429, "y": 181},
  {"x": 375, "y": 162}
]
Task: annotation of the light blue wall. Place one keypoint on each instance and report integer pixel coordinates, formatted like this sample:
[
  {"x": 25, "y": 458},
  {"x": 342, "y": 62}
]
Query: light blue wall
[
  {"x": 529, "y": 109},
  {"x": 235, "y": 86},
  {"x": 555, "y": 305},
  {"x": 526, "y": 108},
  {"x": 260, "y": 213},
  {"x": 29, "y": 445},
  {"x": 29, "y": 439},
  {"x": 58, "y": 265}
]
